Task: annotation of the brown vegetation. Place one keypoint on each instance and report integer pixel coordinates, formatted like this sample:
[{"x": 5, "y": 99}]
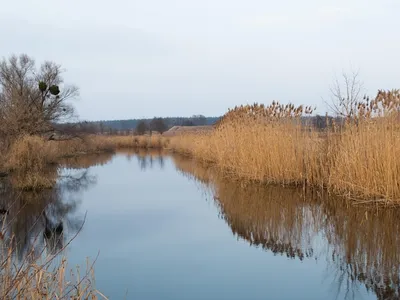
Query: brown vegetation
[
  {"x": 38, "y": 280},
  {"x": 28, "y": 158},
  {"x": 32, "y": 101},
  {"x": 272, "y": 145},
  {"x": 180, "y": 130}
]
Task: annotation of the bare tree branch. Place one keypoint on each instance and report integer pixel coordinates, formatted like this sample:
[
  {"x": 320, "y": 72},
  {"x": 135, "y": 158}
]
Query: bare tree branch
[
  {"x": 346, "y": 94},
  {"x": 31, "y": 99}
]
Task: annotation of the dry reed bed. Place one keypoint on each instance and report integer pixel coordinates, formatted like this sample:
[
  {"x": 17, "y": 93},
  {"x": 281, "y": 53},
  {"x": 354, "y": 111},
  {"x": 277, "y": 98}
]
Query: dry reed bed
[{"x": 360, "y": 161}]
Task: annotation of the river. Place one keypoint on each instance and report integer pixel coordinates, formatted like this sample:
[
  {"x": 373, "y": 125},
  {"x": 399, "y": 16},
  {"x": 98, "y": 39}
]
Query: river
[{"x": 163, "y": 227}]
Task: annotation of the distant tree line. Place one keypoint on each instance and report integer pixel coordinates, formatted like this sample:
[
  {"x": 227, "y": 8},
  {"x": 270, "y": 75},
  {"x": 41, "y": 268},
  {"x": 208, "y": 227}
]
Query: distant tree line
[
  {"x": 160, "y": 125},
  {"x": 195, "y": 120},
  {"x": 135, "y": 126}
]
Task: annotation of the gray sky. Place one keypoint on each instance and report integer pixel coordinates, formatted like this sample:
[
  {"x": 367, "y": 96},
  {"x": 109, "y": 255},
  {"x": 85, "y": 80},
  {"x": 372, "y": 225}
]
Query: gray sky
[{"x": 150, "y": 58}]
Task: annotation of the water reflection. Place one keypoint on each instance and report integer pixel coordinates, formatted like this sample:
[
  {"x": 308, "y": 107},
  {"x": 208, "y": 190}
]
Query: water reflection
[
  {"x": 359, "y": 244},
  {"x": 150, "y": 158},
  {"x": 36, "y": 222},
  {"x": 86, "y": 161}
]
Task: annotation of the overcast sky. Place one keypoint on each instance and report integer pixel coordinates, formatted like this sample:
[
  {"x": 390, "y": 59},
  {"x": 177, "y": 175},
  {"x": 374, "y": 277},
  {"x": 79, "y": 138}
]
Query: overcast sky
[{"x": 148, "y": 58}]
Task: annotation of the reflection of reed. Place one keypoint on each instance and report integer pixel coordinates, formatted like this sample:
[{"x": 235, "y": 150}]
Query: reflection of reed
[
  {"x": 365, "y": 245},
  {"x": 258, "y": 214},
  {"x": 362, "y": 243},
  {"x": 38, "y": 219},
  {"x": 262, "y": 220},
  {"x": 86, "y": 161}
]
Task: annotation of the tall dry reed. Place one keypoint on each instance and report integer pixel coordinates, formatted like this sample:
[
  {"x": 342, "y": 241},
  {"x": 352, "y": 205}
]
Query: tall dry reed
[
  {"x": 275, "y": 152},
  {"x": 366, "y": 160},
  {"x": 360, "y": 160}
]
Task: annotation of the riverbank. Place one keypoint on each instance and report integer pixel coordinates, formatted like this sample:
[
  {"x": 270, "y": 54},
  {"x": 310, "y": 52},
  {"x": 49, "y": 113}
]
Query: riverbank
[
  {"x": 358, "y": 157},
  {"x": 360, "y": 160},
  {"x": 30, "y": 156}
]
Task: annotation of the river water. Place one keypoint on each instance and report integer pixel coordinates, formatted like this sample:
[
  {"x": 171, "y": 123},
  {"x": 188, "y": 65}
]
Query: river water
[{"x": 164, "y": 227}]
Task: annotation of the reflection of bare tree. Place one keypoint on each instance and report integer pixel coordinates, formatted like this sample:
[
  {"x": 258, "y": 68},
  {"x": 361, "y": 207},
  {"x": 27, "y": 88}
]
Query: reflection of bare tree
[
  {"x": 146, "y": 159},
  {"x": 361, "y": 244},
  {"x": 45, "y": 220},
  {"x": 76, "y": 182}
]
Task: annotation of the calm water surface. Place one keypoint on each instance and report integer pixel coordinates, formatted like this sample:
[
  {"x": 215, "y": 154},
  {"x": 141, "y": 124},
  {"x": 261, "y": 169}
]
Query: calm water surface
[{"x": 166, "y": 228}]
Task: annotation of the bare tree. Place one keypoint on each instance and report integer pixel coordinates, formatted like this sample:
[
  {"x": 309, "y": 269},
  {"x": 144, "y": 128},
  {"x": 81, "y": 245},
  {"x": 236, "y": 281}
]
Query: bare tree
[
  {"x": 346, "y": 95},
  {"x": 141, "y": 127},
  {"x": 31, "y": 99}
]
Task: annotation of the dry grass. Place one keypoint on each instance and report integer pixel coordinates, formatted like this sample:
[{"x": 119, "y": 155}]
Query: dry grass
[
  {"x": 28, "y": 158},
  {"x": 38, "y": 274},
  {"x": 360, "y": 160},
  {"x": 30, "y": 153},
  {"x": 100, "y": 143},
  {"x": 36, "y": 280},
  {"x": 150, "y": 142}
]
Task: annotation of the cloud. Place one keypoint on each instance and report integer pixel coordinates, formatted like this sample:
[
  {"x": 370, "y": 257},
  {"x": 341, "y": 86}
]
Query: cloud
[
  {"x": 159, "y": 57},
  {"x": 308, "y": 16}
]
